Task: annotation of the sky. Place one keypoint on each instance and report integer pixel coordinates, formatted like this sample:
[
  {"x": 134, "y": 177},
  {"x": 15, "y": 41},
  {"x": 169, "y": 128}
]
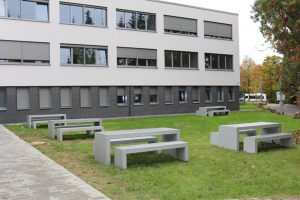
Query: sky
[{"x": 252, "y": 43}]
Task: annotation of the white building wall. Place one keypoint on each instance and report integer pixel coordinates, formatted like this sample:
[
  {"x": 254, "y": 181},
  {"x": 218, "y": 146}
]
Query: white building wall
[{"x": 56, "y": 33}]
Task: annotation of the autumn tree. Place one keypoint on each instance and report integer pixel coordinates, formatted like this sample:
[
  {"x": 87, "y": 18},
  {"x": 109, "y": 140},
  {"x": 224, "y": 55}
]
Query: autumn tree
[{"x": 246, "y": 74}]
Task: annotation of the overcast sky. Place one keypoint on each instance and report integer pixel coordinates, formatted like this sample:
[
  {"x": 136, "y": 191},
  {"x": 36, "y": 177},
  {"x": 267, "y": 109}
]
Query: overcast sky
[{"x": 251, "y": 41}]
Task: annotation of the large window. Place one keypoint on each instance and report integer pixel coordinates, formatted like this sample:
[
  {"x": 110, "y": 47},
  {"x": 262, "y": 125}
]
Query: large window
[
  {"x": 85, "y": 97},
  {"x": 83, "y": 55},
  {"x": 181, "y": 59},
  {"x": 83, "y": 15},
  {"x": 132, "y": 57},
  {"x": 196, "y": 94},
  {"x": 23, "y": 99},
  {"x": 182, "y": 95},
  {"x": 136, "y": 20},
  {"x": 179, "y": 25},
  {"x": 2, "y": 98},
  {"x": 121, "y": 96},
  {"x": 153, "y": 96},
  {"x": 104, "y": 96},
  {"x": 218, "y": 30},
  {"x": 15, "y": 52},
  {"x": 208, "y": 94},
  {"x": 168, "y": 95},
  {"x": 218, "y": 61},
  {"x": 220, "y": 94},
  {"x": 65, "y": 97},
  {"x": 231, "y": 94},
  {"x": 23, "y": 9},
  {"x": 45, "y": 98},
  {"x": 137, "y": 96}
]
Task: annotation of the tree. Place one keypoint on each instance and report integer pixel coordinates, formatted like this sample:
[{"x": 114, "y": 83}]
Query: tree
[{"x": 246, "y": 74}]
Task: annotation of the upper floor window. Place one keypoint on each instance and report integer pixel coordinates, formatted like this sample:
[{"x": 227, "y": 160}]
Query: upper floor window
[
  {"x": 83, "y": 15},
  {"x": 179, "y": 25},
  {"x": 83, "y": 55},
  {"x": 218, "y": 30},
  {"x": 133, "y": 57},
  {"x": 136, "y": 20},
  {"x": 2, "y": 98},
  {"x": 181, "y": 59},
  {"x": 23, "y": 9},
  {"x": 218, "y": 61},
  {"x": 16, "y": 52}
]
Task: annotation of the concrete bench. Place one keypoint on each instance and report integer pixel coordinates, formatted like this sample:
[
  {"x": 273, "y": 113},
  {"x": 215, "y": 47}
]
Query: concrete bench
[
  {"x": 214, "y": 136},
  {"x": 218, "y": 112},
  {"x": 176, "y": 149},
  {"x": 34, "y": 120},
  {"x": 283, "y": 139},
  {"x": 60, "y": 131},
  {"x": 204, "y": 111}
]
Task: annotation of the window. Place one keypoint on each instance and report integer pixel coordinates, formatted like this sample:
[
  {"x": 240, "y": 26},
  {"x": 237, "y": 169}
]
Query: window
[
  {"x": 137, "y": 96},
  {"x": 230, "y": 94},
  {"x": 220, "y": 93},
  {"x": 208, "y": 97},
  {"x": 2, "y": 8},
  {"x": 14, "y": 8},
  {"x": 179, "y": 25},
  {"x": 153, "y": 95},
  {"x": 42, "y": 12},
  {"x": 121, "y": 96},
  {"x": 182, "y": 95},
  {"x": 23, "y": 99},
  {"x": 168, "y": 95},
  {"x": 83, "y": 15},
  {"x": 2, "y": 98},
  {"x": 85, "y": 97},
  {"x": 181, "y": 59},
  {"x": 218, "y": 30},
  {"x": 132, "y": 57},
  {"x": 65, "y": 97},
  {"x": 83, "y": 55},
  {"x": 28, "y": 8},
  {"x": 136, "y": 20},
  {"x": 45, "y": 98},
  {"x": 24, "y": 52},
  {"x": 196, "y": 95},
  {"x": 218, "y": 61},
  {"x": 104, "y": 96}
]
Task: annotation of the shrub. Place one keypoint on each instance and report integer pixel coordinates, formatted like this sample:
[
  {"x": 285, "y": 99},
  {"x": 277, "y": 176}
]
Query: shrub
[
  {"x": 297, "y": 115},
  {"x": 296, "y": 134}
]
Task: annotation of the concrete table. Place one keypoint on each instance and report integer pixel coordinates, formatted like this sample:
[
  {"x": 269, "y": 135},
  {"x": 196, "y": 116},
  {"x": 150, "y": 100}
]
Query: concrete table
[
  {"x": 102, "y": 142},
  {"x": 229, "y": 134},
  {"x": 52, "y": 124}
]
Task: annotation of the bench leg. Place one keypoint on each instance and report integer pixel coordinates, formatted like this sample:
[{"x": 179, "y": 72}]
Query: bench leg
[
  {"x": 250, "y": 145},
  {"x": 34, "y": 125},
  {"x": 120, "y": 159},
  {"x": 180, "y": 153},
  {"x": 287, "y": 142},
  {"x": 59, "y": 136},
  {"x": 214, "y": 139}
]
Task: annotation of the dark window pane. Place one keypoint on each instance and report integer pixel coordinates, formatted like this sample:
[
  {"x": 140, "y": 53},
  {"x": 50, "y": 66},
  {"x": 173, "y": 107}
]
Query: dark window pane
[
  {"x": 207, "y": 94},
  {"x": 65, "y": 55},
  {"x": 141, "y": 21},
  {"x": 2, "y": 8},
  {"x": 130, "y": 20},
  {"x": 230, "y": 94},
  {"x": 120, "y": 19},
  {"x": 168, "y": 58},
  {"x": 142, "y": 62},
  {"x": 122, "y": 100},
  {"x": 151, "y": 22},
  {"x": 28, "y": 10},
  {"x": 121, "y": 61},
  {"x": 78, "y": 55},
  {"x": 229, "y": 62},
  {"x": 77, "y": 15},
  {"x": 65, "y": 14},
  {"x": 222, "y": 61},
  {"x": 2, "y": 98},
  {"x": 131, "y": 61},
  {"x": 214, "y": 61},
  {"x": 137, "y": 99},
  {"x": 176, "y": 59},
  {"x": 152, "y": 63},
  {"x": 220, "y": 93},
  {"x": 194, "y": 60},
  {"x": 100, "y": 17},
  {"x": 182, "y": 95},
  {"x": 42, "y": 12},
  {"x": 153, "y": 98},
  {"x": 101, "y": 57},
  {"x": 89, "y": 16},
  {"x": 13, "y": 8},
  {"x": 185, "y": 60},
  {"x": 207, "y": 61},
  {"x": 90, "y": 56}
]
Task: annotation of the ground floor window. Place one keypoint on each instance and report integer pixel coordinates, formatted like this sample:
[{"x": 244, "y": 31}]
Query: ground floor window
[
  {"x": 196, "y": 95},
  {"x": 121, "y": 96},
  {"x": 2, "y": 98},
  {"x": 182, "y": 95},
  {"x": 104, "y": 96},
  {"x": 208, "y": 96},
  {"x": 153, "y": 95},
  {"x": 168, "y": 95},
  {"x": 45, "y": 98},
  {"x": 220, "y": 92},
  {"x": 65, "y": 97},
  {"x": 85, "y": 97},
  {"x": 137, "y": 96},
  {"x": 230, "y": 94},
  {"x": 23, "y": 99}
]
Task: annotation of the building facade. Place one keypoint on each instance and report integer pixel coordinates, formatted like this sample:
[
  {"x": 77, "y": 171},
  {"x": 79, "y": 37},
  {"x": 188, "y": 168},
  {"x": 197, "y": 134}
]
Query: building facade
[{"x": 99, "y": 58}]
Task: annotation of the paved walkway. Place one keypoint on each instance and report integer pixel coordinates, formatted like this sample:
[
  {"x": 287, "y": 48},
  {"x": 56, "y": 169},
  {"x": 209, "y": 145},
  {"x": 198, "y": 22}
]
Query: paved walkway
[
  {"x": 288, "y": 109},
  {"x": 25, "y": 173}
]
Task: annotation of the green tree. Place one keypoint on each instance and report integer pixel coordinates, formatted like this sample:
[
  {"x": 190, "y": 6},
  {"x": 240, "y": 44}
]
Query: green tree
[{"x": 246, "y": 74}]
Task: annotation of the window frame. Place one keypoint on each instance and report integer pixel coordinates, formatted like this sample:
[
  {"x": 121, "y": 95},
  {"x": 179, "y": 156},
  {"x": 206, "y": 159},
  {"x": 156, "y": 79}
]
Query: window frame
[
  {"x": 218, "y": 36},
  {"x": 174, "y": 32},
  {"x": 210, "y": 66},
  {"x": 5, "y": 99},
  {"x": 181, "y": 60},
  {"x": 60, "y": 98}
]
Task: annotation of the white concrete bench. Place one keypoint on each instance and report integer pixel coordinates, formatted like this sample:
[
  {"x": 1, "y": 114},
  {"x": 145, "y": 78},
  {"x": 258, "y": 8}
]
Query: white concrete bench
[
  {"x": 34, "y": 120},
  {"x": 176, "y": 149},
  {"x": 204, "y": 111},
  {"x": 250, "y": 143},
  {"x": 214, "y": 136},
  {"x": 218, "y": 112},
  {"x": 60, "y": 131}
]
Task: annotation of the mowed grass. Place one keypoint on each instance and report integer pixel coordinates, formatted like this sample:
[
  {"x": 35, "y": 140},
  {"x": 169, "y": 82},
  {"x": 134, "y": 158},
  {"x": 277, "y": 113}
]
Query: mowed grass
[
  {"x": 247, "y": 105},
  {"x": 211, "y": 173}
]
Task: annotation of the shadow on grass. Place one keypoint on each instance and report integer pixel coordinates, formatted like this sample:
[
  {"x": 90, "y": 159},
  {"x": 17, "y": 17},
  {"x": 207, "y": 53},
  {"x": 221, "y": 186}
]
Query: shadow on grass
[
  {"x": 266, "y": 147},
  {"x": 78, "y": 136}
]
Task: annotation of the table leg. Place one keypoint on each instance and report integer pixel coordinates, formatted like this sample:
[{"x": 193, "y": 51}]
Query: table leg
[
  {"x": 229, "y": 138},
  {"x": 51, "y": 130},
  {"x": 102, "y": 149},
  {"x": 168, "y": 138}
]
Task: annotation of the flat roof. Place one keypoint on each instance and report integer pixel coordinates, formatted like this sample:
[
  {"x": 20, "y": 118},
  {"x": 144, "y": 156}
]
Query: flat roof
[{"x": 190, "y": 6}]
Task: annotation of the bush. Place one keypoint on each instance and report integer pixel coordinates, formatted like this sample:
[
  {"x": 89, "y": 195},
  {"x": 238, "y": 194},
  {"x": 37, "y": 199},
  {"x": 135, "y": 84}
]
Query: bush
[
  {"x": 296, "y": 134},
  {"x": 297, "y": 115}
]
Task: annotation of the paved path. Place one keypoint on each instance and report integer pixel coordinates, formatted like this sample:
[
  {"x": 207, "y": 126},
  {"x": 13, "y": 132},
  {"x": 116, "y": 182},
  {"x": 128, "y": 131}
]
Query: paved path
[
  {"x": 25, "y": 173},
  {"x": 288, "y": 109}
]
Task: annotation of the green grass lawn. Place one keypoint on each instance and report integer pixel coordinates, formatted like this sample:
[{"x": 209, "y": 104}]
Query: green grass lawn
[
  {"x": 247, "y": 105},
  {"x": 211, "y": 173}
]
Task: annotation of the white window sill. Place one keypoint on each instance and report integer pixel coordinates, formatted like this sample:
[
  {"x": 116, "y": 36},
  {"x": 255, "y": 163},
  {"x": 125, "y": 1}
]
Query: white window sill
[{"x": 3, "y": 109}]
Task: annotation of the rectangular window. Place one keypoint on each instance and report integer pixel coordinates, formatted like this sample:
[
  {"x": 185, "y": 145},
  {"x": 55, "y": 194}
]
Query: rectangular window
[
  {"x": 168, "y": 95},
  {"x": 137, "y": 96},
  {"x": 24, "y": 52},
  {"x": 83, "y": 15},
  {"x": 196, "y": 95},
  {"x": 23, "y": 99},
  {"x": 45, "y": 98},
  {"x": 136, "y": 20},
  {"x": 83, "y": 55},
  {"x": 231, "y": 94},
  {"x": 65, "y": 97},
  {"x": 14, "y": 8},
  {"x": 181, "y": 59},
  {"x": 153, "y": 95},
  {"x": 220, "y": 93},
  {"x": 104, "y": 96},
  {"x": 42, "y": 12},
  {"x": 218, "y": 30},
  {"x": 182, "y": 95},
  {"x": 208, "y": 96},
  {"x": 133, "y": 57},
  {"x": 2, "y": 98},
  {"x": 218, "y": 61},
  {"x": 85, "y": 97},
  {"x": 2, "y": 8},
  {"x": 121, "y": 96},
  {"x": 179, "y": 25}
]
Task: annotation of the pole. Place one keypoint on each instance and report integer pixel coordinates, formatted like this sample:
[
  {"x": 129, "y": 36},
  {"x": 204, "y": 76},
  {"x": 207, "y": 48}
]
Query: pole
[{"x": 281, "y": 101}]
